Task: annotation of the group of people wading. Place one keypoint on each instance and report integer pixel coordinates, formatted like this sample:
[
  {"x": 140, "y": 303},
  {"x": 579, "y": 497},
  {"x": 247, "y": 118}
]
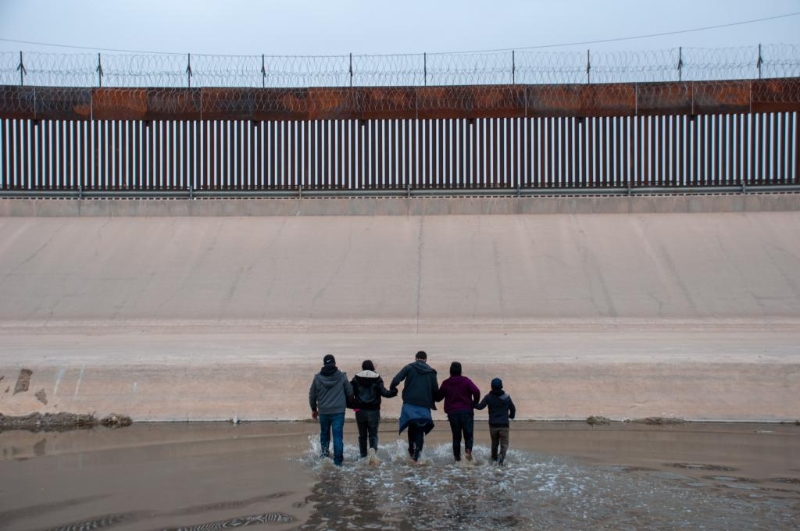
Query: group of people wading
[{"x": 331, "y": 393}]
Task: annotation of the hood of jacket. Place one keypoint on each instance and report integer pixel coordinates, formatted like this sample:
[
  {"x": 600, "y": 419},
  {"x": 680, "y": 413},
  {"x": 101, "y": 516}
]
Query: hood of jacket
[
  {"x": 330, "y": 376},
  {"x": 499, "y": 394},
  {"x": 368, "y": 375},
  {"x": 422, "y": 368}
]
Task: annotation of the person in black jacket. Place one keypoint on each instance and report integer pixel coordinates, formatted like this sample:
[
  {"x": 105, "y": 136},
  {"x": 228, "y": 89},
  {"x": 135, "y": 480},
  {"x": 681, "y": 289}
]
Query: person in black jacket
[
  {"x": 368, "y": 389},
  {"x": 501, "y": 409},
  {"x": 419, "y": 391}
]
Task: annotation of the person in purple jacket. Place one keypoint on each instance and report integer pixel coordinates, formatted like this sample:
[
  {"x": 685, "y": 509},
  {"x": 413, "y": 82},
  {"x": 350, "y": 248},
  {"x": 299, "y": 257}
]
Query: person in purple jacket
[{"x": 460, "y": 395}]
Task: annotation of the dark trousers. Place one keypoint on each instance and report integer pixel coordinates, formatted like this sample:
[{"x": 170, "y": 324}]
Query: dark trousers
[
  {"x": 499, "y": 438},
  {"x": 416, "y": 440},
  {"x": 368, "y": 421},
  {"x": 462, "y": 423}
]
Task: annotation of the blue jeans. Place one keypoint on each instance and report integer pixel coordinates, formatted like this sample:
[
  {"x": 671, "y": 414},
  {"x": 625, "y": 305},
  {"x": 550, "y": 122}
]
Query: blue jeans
[{"x": 335, "y": 422}]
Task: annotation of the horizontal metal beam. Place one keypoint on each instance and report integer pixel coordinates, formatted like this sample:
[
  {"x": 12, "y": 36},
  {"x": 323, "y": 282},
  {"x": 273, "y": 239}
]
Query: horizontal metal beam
[
  {"x": 415, "y": 193},
  {"x": 378, "y": 103}
]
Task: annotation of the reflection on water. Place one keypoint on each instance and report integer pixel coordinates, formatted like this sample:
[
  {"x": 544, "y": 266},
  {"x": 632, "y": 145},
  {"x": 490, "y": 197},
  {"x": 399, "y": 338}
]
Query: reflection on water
[{"x": 532, "y": 492}]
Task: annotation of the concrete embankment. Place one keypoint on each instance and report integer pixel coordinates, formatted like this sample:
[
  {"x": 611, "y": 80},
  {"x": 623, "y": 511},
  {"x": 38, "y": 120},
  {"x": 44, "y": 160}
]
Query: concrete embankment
[{"x": 202, "y": 310}]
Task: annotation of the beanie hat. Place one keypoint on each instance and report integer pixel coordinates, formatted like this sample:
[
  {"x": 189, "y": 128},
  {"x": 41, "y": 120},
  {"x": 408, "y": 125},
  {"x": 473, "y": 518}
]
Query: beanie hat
[
  {"x": 497, "y": 384},
  {"x": 455, "y": 369},
  {"x": 367, "y": 365},
  {"x": 421, "y": 355},
  {"x": 329, "y": 360}
]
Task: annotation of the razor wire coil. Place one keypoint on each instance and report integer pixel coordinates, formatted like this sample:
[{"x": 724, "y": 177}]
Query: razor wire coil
[{"x": 436, "y": 69}]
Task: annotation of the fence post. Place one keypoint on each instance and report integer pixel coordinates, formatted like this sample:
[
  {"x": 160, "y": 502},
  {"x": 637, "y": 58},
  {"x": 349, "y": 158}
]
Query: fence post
[
  {"x": 351, "y": 69},
  {"x": 680, "y": 64},
  {"x": 513, "y": 69},
  {"x": 263, "y": 72},
  {"x": 425, "y": 68},
  {"x": 22, "y": 71},
  {"x": 189, "y": 70},
  {"x": 588, "y": 68},
  {"x": 99, "y": 71},
  {"x": 759, "y": 62}
]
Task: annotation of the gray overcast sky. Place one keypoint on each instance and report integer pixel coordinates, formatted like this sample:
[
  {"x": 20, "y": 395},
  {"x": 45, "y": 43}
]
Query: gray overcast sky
[{"x": 306, "y": 27}]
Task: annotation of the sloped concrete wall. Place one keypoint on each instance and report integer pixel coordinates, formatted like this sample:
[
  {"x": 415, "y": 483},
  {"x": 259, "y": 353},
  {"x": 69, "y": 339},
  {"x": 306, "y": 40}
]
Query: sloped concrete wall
[{"x": 203, "y": 317}]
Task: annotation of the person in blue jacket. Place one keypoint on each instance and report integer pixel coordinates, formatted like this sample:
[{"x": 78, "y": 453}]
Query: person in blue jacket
[
  {"x": 501, "y": 410},
  {"x": 419, "y": 391}
]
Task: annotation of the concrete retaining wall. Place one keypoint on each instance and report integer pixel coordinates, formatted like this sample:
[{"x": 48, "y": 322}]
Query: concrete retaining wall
[{"x": 195, "y": 316}]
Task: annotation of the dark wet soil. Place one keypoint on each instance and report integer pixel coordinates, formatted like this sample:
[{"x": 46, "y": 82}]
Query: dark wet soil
[{"x": 61, "y": 421}]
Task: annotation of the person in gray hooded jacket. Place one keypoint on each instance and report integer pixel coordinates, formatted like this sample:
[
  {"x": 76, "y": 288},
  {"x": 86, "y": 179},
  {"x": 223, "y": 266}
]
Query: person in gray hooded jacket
[{"x": 328, "y": 396}]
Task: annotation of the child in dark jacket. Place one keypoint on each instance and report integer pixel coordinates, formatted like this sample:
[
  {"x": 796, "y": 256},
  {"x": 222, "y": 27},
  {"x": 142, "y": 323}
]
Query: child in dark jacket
[
  {"x": 368, "y": 389},
  {"x": 501, "y": 409}
]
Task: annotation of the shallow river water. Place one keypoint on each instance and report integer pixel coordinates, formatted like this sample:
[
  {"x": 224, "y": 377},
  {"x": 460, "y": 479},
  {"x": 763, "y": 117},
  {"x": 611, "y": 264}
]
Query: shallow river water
[{"x": 269, "y": 476}]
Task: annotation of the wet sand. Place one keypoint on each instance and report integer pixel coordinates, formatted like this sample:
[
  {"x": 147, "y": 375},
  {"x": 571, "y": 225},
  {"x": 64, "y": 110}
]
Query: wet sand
[{"x": 169, "y": 475}]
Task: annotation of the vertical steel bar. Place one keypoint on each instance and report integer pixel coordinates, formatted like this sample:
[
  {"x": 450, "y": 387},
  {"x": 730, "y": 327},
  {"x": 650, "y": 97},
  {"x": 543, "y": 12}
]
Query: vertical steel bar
[
  {"x": 97, "y": 171},
  {"x": 747, "y": 149},
  {"x": 589, "y": 134},
  {"x": 308, "y": 131},
  {"x": 217, "y": 174},
  {"x": 253, "y": 172},
  {"x": 361, "y": 153},
  {"x": 380, "y": 153},
  {"x": 5, "y": 155},
  {"x": 439, "y": 139},
  {"x": 700, "y": 143},
  {"x": 776, "y": 141},
  {"x": 721, "y": 154},
  {"x": 119, "y": 152},
  {"x": 654, "y": 149},
  {"x": 680, "y": 164},
  {"x": 599, "y": 154},
  {"x": 641, "y": 166},
  {"x": 529, "y": 147},
  {"x": 607, "y": 150},
  {"x": 426, "y": 176},
  {"x": 72, "y": 166},
  {"x": 549, "y": 135},
  {"x": 768, "y": 177},
  {"x": 284, "y": 169},
  {"x": 396, "y": 153},
  {"x": 619, "y": 166},
  {"x": 17, "y": 153},
  {"x": 796, "y": 118},
  {"x": 274, "y": 153},
  {"x": 41, "y": 175},
  {"x": 568, "y": 178}
]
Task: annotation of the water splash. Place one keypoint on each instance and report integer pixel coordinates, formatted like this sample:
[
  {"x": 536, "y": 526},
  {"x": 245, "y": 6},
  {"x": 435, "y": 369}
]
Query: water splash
[{"x": 530, "y": 491}]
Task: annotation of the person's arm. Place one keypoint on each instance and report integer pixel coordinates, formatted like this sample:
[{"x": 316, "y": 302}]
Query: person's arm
[
  {"x": 312, "y": 398},
  {"x": 476, "y": 393},
  {"x": 348, "y": 388},
  {"x": 434, "y": 388},
  {"x": 386, "y": 393},
  {"x": 438, "y": 396},
  {"x": 398, "y": 378},
  {"x": 482, "y": 403},
  {"x": 511, "y": 408}
]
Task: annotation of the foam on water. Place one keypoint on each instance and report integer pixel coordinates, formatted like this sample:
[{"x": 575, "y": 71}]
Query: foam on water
[{"x": 531, "y": 491}]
